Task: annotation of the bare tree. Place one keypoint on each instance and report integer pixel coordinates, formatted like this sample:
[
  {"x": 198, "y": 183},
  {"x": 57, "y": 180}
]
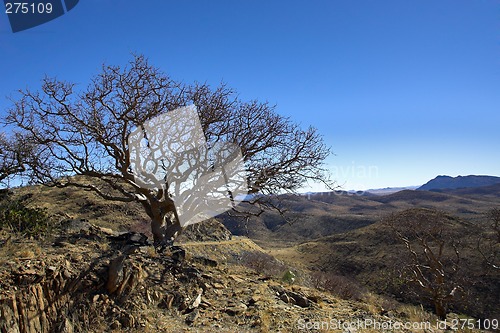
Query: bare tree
[
  {"x": 84, "y": 137},
  {"x": 433, "y": 243},
  {"x": 488, "y": 243},
  {"x": 14, "y": 152}
]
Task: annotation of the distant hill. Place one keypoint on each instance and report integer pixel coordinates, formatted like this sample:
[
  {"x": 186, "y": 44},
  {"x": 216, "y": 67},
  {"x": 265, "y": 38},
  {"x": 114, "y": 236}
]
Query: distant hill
[
  {"x": 317, "y": 215},
  {"x": 369, "y": 254},
  {"x": 447, "y": 182},
  {"x": 412, "y": 197},
  {"x": 482, "y": 191},
  {"x": 389, "y": 190}
]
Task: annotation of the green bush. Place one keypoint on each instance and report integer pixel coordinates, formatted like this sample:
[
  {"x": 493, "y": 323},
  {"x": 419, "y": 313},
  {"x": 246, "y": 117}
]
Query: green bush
[
  {"x": 17, "y": 217},
  {"x": 288, "y": 277}
]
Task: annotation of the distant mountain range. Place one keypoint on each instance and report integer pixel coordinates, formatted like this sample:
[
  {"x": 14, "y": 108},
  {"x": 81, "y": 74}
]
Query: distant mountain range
[
  {"x": 447, "y": 182},
  {"x": 389, "y": 190},
  {"x": 438, "y": 184}
]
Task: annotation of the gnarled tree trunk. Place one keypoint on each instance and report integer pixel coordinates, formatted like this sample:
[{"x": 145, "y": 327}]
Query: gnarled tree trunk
[{"x": 165, "y": 224}]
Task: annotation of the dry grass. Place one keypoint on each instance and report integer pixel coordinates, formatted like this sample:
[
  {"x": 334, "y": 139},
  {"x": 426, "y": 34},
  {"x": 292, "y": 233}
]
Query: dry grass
[
  {"x": 359, "y": 249},
  {"x": 12, "y": 249},
  {"x": 71, "y": 203}
]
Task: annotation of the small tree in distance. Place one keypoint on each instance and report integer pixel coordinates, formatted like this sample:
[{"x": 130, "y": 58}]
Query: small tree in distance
[
  {"x": 433, "y": 259},
  {"x": 86, "y": 134},
  {"x": 488, "y": 244}
]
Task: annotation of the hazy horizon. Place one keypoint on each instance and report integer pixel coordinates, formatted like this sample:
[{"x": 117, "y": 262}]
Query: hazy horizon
[{"x": 343, "y": 187}]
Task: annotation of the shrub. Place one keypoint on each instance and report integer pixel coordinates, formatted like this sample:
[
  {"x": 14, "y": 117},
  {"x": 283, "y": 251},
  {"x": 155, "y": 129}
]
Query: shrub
[
  {"x": 17, "y": 217},
  {"x": 288, "y": 277},
  {"x": 338, "y": 285},
  {"x": 263, "y": 263}
]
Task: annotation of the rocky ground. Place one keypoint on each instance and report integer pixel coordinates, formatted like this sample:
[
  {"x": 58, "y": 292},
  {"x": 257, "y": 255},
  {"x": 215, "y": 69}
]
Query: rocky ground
[{"x": 92, "y": 279}]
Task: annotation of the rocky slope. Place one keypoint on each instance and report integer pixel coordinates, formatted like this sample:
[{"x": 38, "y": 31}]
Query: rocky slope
[
  {"x": 86, "y": 277},
  {"x": 95, "y": 280}
]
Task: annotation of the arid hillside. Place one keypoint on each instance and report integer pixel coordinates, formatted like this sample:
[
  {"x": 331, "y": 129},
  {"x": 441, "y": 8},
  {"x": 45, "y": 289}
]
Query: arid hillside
[
  {"x": 90, "y": 267},
  {"x": 313, "y": 216}
]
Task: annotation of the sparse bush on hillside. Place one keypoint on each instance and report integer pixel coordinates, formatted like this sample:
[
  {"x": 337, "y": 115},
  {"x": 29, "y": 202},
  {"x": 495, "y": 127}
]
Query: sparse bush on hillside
[
  {"x": 263, "y": 263},
  {"x": 338, "y": 285},
  {"x": 17, "y": 217},
  {"x": 288, "y": 277}
]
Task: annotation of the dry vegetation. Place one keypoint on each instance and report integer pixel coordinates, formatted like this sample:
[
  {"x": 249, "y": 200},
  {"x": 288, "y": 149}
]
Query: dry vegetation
[
  {"x": 337, "y": 274},
  {"x": 161, "y": 296},
  {"x": 376, "y": 258},
  {"x": 319, "y": 215}
]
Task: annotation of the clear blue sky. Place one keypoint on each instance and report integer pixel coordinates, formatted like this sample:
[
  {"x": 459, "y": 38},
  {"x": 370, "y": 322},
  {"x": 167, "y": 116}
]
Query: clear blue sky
[{"x": 403, "y": 91}]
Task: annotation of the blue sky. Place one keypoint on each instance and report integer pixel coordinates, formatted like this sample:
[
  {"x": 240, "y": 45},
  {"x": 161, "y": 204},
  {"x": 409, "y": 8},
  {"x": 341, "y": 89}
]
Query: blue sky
[{"x": 402, "y": 91}]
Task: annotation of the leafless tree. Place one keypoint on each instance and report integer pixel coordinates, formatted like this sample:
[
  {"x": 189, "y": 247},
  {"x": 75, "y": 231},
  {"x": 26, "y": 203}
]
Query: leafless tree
[
  {"x": 433, "y": 245},
  {"x": 488, "y": 243},
  {"x": 14, "y": 152},
  {"x": 83, "y": 137}
]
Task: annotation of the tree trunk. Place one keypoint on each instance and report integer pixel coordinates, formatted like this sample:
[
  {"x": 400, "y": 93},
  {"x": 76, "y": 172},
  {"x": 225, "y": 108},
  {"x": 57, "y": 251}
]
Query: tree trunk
[
  {"x": 164, "y": 228},
  {"x": 165, "y": 224},
  {"x": 440, "y": 309}
]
